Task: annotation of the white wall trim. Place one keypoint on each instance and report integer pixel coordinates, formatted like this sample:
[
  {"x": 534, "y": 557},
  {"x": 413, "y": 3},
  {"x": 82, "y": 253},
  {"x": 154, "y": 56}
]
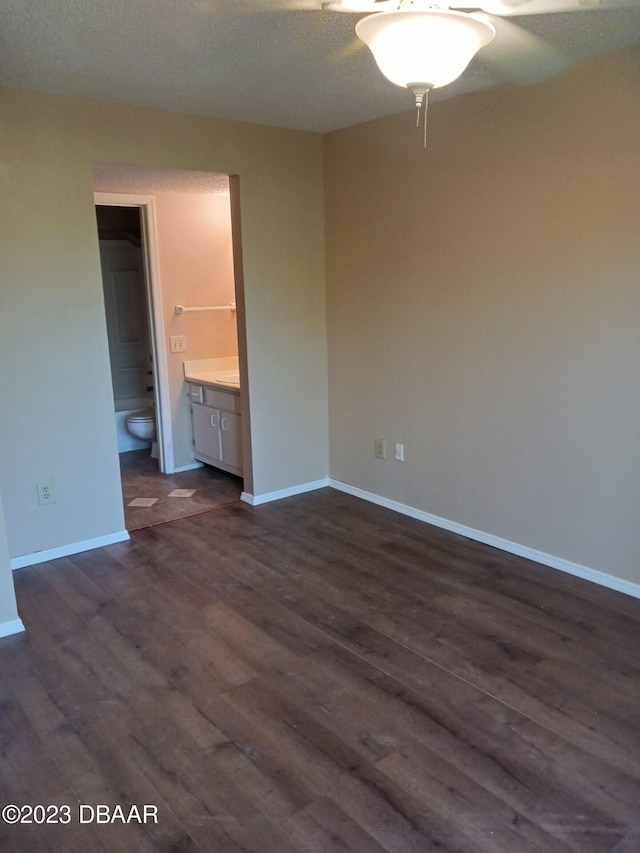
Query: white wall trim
[
  {"x": 67, "y": 550},
  {"x": 13, "y": 626},
  {"x": 256, "y": 500},
  {"x": 550, "y": 560},
  {"x": 190, "y": 467}
]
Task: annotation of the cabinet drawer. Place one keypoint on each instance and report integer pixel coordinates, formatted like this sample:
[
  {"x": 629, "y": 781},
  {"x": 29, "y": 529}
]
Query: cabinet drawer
[
  {"x": 226, "y": 400},
  {"x": 196, "y": 393}
]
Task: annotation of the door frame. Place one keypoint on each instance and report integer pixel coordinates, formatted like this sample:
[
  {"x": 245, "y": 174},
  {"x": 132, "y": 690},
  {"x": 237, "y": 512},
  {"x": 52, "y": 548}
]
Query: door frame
[{"x": 153, "y": 289}]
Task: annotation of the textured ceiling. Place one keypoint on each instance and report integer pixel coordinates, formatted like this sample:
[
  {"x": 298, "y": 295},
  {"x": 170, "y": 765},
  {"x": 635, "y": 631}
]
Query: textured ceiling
[{"x": 263, "y": 62}]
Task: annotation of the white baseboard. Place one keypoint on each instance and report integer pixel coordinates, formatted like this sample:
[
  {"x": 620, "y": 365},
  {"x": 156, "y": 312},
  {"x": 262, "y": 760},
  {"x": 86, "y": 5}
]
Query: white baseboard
[
  {"x": 256, "y": 500},
  {"x": 190, "y": 467},
  {"x": 67, "y": 550},
  {"x": 13, "y": 626},
  {"x": 550, "y": 560}
]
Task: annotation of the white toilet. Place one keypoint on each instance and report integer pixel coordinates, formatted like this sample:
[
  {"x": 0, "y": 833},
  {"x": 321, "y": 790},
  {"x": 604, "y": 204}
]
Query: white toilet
[{"x": 142, "y": 424}]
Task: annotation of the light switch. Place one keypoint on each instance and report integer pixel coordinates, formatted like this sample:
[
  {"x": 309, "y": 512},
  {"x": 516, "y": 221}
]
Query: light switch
[{"x": 178, "y": 343}]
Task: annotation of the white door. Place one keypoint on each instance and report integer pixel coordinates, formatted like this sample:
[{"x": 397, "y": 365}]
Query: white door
[{"x": 127, "y": 319}]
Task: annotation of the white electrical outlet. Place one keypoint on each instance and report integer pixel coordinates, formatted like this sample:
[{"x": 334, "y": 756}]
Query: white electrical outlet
[
  {"x": 178, "y": 343},
  {"x": 380, "y": 448},
  {"x": 46, "y": 492},
  {"x": 398, "y": 451}
]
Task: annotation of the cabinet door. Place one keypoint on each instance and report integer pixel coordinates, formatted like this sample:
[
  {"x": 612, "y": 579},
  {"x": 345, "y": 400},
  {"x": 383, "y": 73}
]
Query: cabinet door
[
  {"x": 231, "y": 439},
  {"x": 206, "y": 431}
]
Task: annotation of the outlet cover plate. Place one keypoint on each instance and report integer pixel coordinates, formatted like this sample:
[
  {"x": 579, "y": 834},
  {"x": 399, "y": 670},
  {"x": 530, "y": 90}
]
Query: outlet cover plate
[{"x": 46, "y": 492}]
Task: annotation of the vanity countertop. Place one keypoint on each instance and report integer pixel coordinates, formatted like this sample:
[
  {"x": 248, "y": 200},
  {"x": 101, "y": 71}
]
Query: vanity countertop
[
  {"x": 220, "y": 372},
  {"x": 228, "y": 379}
]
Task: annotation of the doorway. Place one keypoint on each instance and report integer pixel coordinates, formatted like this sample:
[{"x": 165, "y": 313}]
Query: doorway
[
  {"x": 128, "y": 254},
  {"x": 151, "y": 495},
  {"x": 152, "y": 227},
  {"x": 128, "y": 323}
]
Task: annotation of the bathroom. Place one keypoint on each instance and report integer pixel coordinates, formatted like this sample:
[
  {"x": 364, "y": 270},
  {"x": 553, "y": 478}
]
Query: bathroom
[
  {"x": 192, "y": 266},
  {"x": 128, "y": 328}
]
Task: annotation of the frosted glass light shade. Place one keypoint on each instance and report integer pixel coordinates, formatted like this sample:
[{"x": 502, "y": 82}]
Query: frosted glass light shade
[{"x": 425, "y": 48}]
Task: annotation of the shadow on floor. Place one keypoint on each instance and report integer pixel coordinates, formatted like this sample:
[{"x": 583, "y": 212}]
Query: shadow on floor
[{"x": 151, "y": 492}]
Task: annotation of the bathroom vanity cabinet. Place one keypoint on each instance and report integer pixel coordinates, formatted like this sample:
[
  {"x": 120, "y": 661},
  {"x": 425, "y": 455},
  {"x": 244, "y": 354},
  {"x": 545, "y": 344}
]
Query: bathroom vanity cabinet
[{"x": 217, "y": 427}]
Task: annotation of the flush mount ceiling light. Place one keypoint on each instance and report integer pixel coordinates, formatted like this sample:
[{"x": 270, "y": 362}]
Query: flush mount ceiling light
[{"x": 422, "y": 46}]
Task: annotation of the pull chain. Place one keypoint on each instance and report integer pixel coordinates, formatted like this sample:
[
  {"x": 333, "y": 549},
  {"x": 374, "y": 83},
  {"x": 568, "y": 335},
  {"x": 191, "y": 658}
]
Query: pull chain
[
  {"x": 426, "y": 107},
  {"x": 421, "y": 94}
]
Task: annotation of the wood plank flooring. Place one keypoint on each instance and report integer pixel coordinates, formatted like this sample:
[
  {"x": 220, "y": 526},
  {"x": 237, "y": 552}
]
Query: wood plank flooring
[
  {"x": 320, "y": 675},
  {"x": 141, "y": 479}
]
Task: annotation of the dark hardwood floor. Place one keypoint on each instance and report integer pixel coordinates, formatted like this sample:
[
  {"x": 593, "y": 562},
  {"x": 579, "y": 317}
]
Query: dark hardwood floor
[
  {"x": 210, "y": 488},
  {"x": 320, "y": 675}
]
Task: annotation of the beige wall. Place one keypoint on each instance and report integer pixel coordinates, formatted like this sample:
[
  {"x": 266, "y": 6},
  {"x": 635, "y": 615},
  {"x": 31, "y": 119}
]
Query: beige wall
[
  {"x": 484, "y": 307},
  {"x": 54, "y": 376},
  {"x": 196, "y": 268},
  {"x": 195, "y": 257},
  {"x": 10, "y": 622}
]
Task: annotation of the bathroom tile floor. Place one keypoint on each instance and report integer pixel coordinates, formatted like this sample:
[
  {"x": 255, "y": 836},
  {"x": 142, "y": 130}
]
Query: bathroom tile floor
[{"x": 153, "y": 498}]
